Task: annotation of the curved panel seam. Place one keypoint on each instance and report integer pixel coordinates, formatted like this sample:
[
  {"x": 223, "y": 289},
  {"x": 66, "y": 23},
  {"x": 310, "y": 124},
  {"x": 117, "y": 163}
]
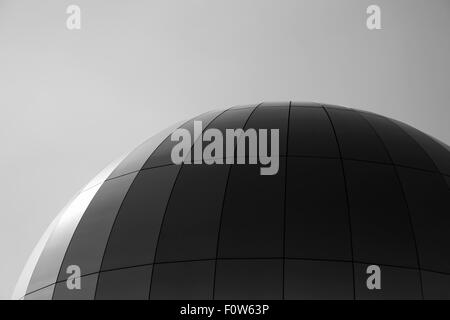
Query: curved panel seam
[
  {"x": 154, "y": 150},
  {"x": 110, "y": 232},
  {"x": 221, "y": 212},
  {"x": 168, "y": 201},
  {"x": 285, "y": 197},
  {"x": 281, "y": 156},
  {"x": 424, "y": 150},
  {"x": 75, "y": 230},
  {"x": 346, "y": 198},
  {"x": 404, "y": 199},
  {"x": 246, "y": 259}
]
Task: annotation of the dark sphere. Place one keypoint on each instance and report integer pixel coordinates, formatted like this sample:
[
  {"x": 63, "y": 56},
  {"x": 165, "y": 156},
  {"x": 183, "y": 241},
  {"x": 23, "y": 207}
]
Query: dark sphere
[{"x": 353, "y": 189}]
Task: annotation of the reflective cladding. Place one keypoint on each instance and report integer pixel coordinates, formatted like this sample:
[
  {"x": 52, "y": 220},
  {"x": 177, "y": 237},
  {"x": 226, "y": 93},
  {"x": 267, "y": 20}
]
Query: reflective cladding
[
  {"x": 436, "y": 286},
  {"x": 442, "y": 144},
  {"x": 135, "y": 233},
  {"x": 337, "y": 107},
  {"x": 305, "y": 104},
  {"x": 317, "y": 219},
  {"x": 183, "y": 281},
  {"x": 245, "y": 106},
  {"x": 230, "y": 119},
  {"x": 401, "y": 147},
  {"x": 89, "y": 240},
  {"x": 192, "y": 220},
  {"x": 163, "y": 231},
  {"x": 439, "y": 153},
  {"x": 356, "y": 137},
  {"x": 311, "y": 133},
  {"x": 86, "y": 291},
  {"x": 136, "y": 159},
  {"x": 253, "y": 209},
  {"x": 253, "y": 214},
  {"x": 396, "y": 284},
  {"x": 49, "y": 263},
  {"x": 249, "y": 279},
  {"x": 42, "y": 294},
  {"x": 103, "y": 175},
  {"x": 25, "y": 277},
  {"x": 162, "y": 155},
  {"x": 271, "y": 116},
  {"x": 379, "y": 215},
  {"x": 326, "y": 280},
  {"x": 124, "y": 284},
  {"x": 429, "y": 202}
]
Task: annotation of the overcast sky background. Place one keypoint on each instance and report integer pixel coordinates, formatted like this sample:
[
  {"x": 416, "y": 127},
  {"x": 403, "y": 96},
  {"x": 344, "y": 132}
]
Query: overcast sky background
[{"x": 72, "y": 101}]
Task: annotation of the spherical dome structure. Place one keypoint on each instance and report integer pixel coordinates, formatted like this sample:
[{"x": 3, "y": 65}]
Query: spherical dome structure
[{"x": 352, "y": 190}]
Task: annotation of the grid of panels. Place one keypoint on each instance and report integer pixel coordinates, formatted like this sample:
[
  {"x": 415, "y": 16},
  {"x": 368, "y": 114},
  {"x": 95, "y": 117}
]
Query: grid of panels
[
  {"x": 304, "y": 279},
  {"x": 276, "y": 236}
]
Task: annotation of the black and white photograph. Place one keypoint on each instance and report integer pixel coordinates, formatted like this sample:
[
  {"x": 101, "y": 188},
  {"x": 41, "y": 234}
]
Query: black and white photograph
[{"x": 225, "y": 158}]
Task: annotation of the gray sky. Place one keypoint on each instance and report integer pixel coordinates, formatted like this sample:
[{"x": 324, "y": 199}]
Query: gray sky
[{"x": 72, "y": 101}]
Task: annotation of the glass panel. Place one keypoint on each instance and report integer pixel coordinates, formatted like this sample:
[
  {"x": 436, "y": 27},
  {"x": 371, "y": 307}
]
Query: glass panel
[
  {"x": 316, "y": 280},
  {"x": 271, "y": 116},
  {"x": 436, "y": 286},
  {"x": 249, "y": 280},
  {"x": 381, "y": 226},
  {"x": 429, "y": 203},
  {"x": 395, "y": 284},
  {"x": 136, "y": 159},
  {"x": 243, "y": 107},
  {"x": 443, "y": 144},
  {"x": 87, "y": 291},
  {"x": 317, "y": 219},
  {"x": 43, "y": 294},
  {"x": 162, "y": 155},
  {"x": 231, "y": 119},
  {"x": 135, "y": 233},
  {"x": 305, "y": 104},
  {"x": 337, "y": 107},
  {"x": 253, "y": 214},
  {"x": 275, "y": 104},
  {"x": 124, "y": 284},
  {"x": 104, "y": 174},
  {"x": 192, "y": 220},
  {"x": 183, "y": 281},
  {"x": 27, "y": 272},
  {"x": 311, "y": 133},
  {"x": 436, "y": 150},
  {"x": 49, "y": 263},
  {"x": 356, "y": 138},
  {"x": 89, "y": 240},
  {"x": 402, "y": 148}
]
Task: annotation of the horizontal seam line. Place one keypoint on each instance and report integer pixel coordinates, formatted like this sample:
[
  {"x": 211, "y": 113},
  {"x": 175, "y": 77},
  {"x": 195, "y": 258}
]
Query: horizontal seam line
[
  {"x": 243, "y": 259},
  {"x": 281, "y": 156}
]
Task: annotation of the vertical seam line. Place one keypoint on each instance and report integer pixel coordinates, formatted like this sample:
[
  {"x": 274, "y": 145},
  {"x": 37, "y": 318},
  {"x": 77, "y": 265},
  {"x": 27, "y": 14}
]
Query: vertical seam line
[
  {"x": 170, "y": 196},
  {"x": 120, "y": 207},
  {"x": 110, "y": 232},
  {"x": 285, "y": 197},
  {"x": 404, "y": 199},
  {"x": 347, "y": 199},
  {"x": 78, "y": 226},
  {"x": 221, "y": 211}
]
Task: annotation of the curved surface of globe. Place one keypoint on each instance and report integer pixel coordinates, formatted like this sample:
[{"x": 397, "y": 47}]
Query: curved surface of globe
[{"x": 359, "y": 208}]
